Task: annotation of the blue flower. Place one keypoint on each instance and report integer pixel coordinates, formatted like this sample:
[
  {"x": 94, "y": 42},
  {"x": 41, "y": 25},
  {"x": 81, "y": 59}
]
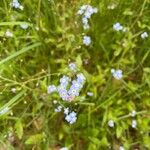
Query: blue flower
[
  {"x": 117, "y": 26},
  {"x": 72, "y": 67},
  {"x": 51, "y": 88},
  {"x": 87, "y": 40},
  {"x": 117, "y": 74},
  {"x": 80, "y": 78},
  {"x": 86, "y": 11},
  {"x": 73, "y": 91},
  {"x": 77, "y": 84},
  {"x": 71, "y": 118},
  {"x": 64, "y": 81},
  {"x": 62, "y": 92},
  {"x": 16, "y": 4}
]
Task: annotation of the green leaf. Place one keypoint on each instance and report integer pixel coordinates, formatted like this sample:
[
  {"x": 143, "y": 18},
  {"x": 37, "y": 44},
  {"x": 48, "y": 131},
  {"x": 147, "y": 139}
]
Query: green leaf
[
  {"x": 79, "y": 61},
  {"x": 35, "y": 139},
  {"x": 19, "y": 129},
  {"x": 118, "y": 131},
  {"x": 23, "y": 50}
]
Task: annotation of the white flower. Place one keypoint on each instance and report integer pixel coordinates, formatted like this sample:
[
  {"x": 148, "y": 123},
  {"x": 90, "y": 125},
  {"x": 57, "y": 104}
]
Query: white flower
[
  {"x": 87, "y": 40},
  {"x": 72, "y": 66},
  {"x": 66, "y": 111},
  {"x": 111, "y": 123},
  {"x": 133, "y": 113},
  {"x": 3, "y": 111},
  {"x": 64, "y": 148},
  {"x": 9, "y": 34},
  {"x": 58, "y": 109},
  {"x": 134, "y": 123},
  {"x": 16, "y": 4},
  {"x": 71, "y": 118},
  {"x": 90, "y": 94},
  {"x": 117, "y": 26},
  {"x": 117, "y": 74},
  {"x": 51, "y": 88},
  {"x": 13, "y": 90},
  {"x": 54, "y": 102},
  {"x": 121, "y": 148},
  {"x": 144, "y": 35},
  {"x": 24, "y": 26}
]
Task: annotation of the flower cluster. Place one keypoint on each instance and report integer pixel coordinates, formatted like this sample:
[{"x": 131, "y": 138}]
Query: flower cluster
[
  {"x": 144, "y": 35},
  {"x": 86, "y": 40},
  {"x": 16, "y": 4},
  {"x": 86, "y": 11},
  {"x": 62, "y": 88},
  {"x": 118, "y": 27},
  {"x": 70, "y": 116},
  {"x": 117, "y": 74}
]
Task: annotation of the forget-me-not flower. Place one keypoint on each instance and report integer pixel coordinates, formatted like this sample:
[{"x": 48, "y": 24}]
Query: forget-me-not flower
[
  {"x": 51, "y": 88},
  {"x": 118, "y": 27},
  {"x": 71, "y": 117},
  {"x": 117, "y": 74},
  {"x": 87, "y": 40},
  {"x": 72, "y": 67}
]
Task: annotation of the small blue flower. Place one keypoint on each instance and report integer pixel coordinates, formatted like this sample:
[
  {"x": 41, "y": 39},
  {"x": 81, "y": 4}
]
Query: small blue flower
[
  {"x": 64, "y": 81},
  {"x": 86, "y": 11},
  {"x": 72, "y": 67},
  {"x": 117, "y": 74},
  {"x": 51, "y": 88},
  {"x": 77, "y": 84},
  {"x": 117, "y": 26},
  {"x": 80, "y": 78},
  {"x": 87, "y": 40},
  {"x": 71, "y": 118},
  {"x": 73, "y": 91},
  {"x": 16, "y": 4},
  {"x": 62, "y": 93}
]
